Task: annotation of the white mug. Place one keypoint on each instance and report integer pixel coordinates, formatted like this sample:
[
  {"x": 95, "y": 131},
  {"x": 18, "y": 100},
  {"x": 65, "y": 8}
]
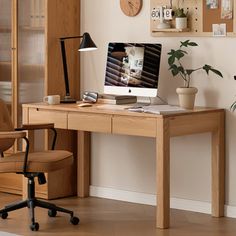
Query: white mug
[{"x": 52, "y": 99}]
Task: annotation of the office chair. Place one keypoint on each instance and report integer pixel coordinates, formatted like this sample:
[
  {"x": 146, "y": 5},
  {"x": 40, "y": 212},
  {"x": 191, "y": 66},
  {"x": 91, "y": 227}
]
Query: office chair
[{"x": 30, "y": 165}]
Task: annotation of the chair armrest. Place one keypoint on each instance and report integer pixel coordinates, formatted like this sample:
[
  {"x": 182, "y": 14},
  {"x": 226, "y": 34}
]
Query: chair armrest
[
  {"x": 41, "y": 126},
  {"x": 36, "y": 126},
  {"x": 12, "y": 134}
]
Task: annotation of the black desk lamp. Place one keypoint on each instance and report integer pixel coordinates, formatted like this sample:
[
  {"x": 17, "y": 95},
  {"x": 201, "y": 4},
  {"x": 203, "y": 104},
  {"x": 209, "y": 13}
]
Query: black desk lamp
[{"x": 87, "y": 44}]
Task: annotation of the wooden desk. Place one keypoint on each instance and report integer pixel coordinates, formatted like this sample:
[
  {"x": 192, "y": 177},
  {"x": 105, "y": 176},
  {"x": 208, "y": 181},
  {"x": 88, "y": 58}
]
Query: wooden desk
[{"x": 113, "y": 120}]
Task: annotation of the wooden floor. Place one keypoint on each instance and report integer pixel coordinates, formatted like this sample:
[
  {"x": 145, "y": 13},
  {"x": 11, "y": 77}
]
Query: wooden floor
[{"x": 113, "y": 218}]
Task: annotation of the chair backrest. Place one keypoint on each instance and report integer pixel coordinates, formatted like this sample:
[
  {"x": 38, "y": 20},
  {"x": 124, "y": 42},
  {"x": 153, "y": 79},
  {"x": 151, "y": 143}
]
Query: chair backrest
[{"x": 5, "y": 125}]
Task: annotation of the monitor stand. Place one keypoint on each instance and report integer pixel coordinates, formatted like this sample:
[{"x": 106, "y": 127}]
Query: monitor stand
[
  {"x": 146, "y": 101},
  {"x": 143, "y": 101}
]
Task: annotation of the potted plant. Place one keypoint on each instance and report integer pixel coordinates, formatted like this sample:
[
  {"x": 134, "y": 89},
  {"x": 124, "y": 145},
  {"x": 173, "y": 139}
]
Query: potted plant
[
  {"x": 186, "y": 93},
  {"x": 180, "y": 19}
]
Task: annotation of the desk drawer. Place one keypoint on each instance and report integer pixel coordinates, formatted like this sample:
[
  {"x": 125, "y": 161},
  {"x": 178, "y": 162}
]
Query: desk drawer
[
  {"x": 43, "y": 116},
  {"x": 89, "y": 122},
  {"x": 139, "y": 126}
]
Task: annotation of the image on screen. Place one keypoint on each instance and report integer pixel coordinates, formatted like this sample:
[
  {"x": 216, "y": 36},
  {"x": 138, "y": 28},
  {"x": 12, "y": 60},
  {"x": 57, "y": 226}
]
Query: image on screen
[{"x": 133, "y": 65}]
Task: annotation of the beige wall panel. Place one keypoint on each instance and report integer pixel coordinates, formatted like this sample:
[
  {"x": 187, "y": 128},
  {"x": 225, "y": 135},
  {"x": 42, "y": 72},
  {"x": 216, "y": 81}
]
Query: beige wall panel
[{"x": 190, "y": 155}]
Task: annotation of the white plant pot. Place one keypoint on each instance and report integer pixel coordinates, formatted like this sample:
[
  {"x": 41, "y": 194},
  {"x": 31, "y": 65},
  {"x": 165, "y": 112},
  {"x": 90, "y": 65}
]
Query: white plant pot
[
  {"x": 181, "y": 22},
  {"x": 186, "y": 97}
]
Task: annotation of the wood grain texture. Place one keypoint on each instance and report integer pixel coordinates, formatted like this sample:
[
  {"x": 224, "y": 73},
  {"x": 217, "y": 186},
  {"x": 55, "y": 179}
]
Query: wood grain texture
[
  {"x": 163, "y": 174},
  {"x": 60, "y": 183},
  {"x": 162, "y": 127},
  {"x": 63, "y": 19},
  {"x": 11, "y": 183},
  {"x": 14, "y": 57},
  {"x": 89, "y": 122},
  {"x": 103, "y": 217},
  {"x": 83, "y": 172},
  {"x": 131, "y": 7},
  {"x": 218, "y": 167},
  {"x": 183, "y": 125},
  {"x": 39, "y": 116},
  {"x": 139, "y": 126}
]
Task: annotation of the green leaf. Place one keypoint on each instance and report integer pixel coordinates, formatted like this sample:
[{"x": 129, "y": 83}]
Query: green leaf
[
  {"x": 189, "y": 72},
  {"x": 173, "y": 66},
  {"x": 181, "y": 69},
  {"x": 208, "y": 68},
  {"x": 171, "y": 60},
  {"x": 188, "y": 43},
  {"x": 184, "y": 44},
  {"x": 171, "y": 52},
  {"x": 216, "y": 72},
  {"x": 193, "y": 44},
  {"x": 174, "y": 70},
  {"x": 179, "y": 54}
]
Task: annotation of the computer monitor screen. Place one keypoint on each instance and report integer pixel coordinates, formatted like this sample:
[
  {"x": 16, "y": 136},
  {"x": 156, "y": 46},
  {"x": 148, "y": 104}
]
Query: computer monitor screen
[{"x": 132, "y": 69}]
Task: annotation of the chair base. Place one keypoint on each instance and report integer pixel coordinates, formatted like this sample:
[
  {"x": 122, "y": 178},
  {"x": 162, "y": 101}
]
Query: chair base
[{"x": 33, "y": 202}]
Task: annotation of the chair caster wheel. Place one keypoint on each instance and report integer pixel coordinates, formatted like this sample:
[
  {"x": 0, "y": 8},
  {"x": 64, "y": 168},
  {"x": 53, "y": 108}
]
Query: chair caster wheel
[
  {"x": 52, "y": 213},
  {"x": 34, "y": 226},
  {"x": 4, "y": 215},
  {"x": 74, "y": 220}
]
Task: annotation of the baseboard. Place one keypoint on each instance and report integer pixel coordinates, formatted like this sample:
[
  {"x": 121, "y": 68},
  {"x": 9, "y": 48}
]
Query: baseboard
[{"x": 150, "y": 199}]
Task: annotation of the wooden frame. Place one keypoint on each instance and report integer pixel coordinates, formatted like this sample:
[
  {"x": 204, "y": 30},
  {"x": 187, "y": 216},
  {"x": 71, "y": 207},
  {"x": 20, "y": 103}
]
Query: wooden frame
[{"x": 62, "y": 18}]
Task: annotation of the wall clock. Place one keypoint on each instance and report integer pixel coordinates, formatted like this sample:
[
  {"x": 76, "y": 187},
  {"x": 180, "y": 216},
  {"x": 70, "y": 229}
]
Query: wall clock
[{"x": 131, "y": 7}]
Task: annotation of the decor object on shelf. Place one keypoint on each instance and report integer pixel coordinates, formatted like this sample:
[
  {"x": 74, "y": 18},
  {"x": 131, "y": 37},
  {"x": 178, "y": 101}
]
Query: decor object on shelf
[
  {"x": 180, "y": 19},
  {"x": 131, "y": 7},
  {"x": 163, "y": 24},
  {"x": 186, "y": 93},
  {"x": 87, "y": 44}
]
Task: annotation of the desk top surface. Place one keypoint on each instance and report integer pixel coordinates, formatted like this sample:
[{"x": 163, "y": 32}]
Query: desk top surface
[{"x": 116, "y": 109}]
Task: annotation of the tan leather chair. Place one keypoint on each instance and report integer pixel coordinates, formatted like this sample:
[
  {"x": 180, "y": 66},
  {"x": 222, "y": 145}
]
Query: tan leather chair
[{"x": 30, "y": 165}]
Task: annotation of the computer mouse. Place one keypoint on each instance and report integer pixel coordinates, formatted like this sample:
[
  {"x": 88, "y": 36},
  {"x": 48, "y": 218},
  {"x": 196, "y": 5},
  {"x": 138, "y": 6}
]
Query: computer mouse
[{"x": 84, "y": 105}]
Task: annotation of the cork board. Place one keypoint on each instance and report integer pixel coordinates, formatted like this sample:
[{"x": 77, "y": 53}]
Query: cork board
[{"x": 213, "y": 16}]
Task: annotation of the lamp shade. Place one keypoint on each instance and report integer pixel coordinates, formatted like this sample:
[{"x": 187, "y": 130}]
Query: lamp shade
[{"x": 87, "y": 43}]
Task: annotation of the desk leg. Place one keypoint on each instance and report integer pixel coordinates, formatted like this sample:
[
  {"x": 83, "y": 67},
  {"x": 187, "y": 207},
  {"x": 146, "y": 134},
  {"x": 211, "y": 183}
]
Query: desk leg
[
  {"x": 83, "y": 169},
  {"x": 218, "y": 169},
  {"x": 163, "y": 174}
]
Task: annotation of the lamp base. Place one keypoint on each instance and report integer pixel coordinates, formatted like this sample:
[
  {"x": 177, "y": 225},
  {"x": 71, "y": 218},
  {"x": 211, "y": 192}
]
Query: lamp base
[{"x": 68, "y": 100}]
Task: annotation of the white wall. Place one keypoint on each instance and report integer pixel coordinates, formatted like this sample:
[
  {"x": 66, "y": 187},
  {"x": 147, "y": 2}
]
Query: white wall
[{"x": 128, "y": 163}]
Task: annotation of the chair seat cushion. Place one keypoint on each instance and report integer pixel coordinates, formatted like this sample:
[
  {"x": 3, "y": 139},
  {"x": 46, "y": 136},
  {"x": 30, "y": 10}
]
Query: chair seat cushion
[{"x": 44, "y": 161}]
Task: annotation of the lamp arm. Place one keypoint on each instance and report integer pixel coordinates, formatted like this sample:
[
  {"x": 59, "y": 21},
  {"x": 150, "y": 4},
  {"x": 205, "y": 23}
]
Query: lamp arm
[
  {"x": 66, "y": 80},
  {"x": 87, "y": 42},
  {"x": 71, "y": 37}
]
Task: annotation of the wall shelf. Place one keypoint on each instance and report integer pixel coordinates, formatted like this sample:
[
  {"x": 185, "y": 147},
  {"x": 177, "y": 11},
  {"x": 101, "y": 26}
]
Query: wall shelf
[
  {"x": 171, "y": 30},
  {"x": 200, "y": 19}
]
